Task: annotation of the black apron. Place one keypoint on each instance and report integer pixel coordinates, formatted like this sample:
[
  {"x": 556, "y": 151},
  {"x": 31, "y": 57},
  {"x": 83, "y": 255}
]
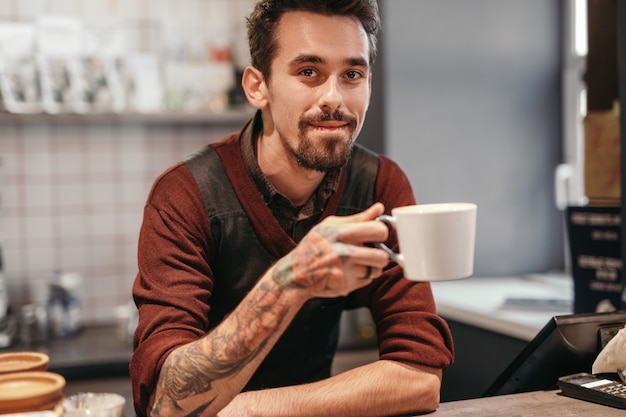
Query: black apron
[{"x": 304, "y": 353}]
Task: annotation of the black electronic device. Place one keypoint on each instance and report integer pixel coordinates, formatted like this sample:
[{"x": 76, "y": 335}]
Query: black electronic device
[
  {"x": 566, "y": 345},
  {"x": 594, "y": 388}
]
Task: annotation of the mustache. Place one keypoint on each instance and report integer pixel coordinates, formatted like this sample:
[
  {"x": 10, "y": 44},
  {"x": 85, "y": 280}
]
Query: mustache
[{"x": 327, "y": 116}]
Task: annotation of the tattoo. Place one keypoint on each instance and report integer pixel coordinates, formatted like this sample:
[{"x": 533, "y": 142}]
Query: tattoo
[
  {"x": 243, "y": 334},
  {"x": 313, "y": 262},
  {"x": 225, "y": 351}
]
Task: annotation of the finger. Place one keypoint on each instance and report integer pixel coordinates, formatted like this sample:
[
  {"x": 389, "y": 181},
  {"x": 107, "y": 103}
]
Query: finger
[
  {"x": 360, "y": 257},
  {"x": 364, "y": 232},
  {"x": 368, "y": 214},
  {"x": 368, "y": 272},
  {"x": 371, "y": 213}
]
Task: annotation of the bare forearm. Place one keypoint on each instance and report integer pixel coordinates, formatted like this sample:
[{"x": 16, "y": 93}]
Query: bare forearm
[
  {"x": 377, "y": 389},
  {"x": 201, "y": 377}
]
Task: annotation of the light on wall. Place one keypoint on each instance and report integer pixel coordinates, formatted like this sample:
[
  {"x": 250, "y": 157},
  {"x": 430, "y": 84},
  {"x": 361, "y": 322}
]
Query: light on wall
[{"x": 580, "y": 27}]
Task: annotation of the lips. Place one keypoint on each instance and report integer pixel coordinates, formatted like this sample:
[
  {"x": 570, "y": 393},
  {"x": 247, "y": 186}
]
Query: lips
[
  {"x": 329, "y": 125},
  {"x": 328, "y": 121}
]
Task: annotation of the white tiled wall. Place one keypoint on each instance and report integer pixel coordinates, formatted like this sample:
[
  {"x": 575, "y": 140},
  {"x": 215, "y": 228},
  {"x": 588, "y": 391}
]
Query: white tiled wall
[
  {"x": 72, "y": 191},
  {"x": 72, "y": 200}
]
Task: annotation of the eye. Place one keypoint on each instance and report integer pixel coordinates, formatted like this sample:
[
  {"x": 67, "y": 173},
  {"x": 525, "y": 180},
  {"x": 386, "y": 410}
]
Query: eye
[
  {"x": 308, "y": 72},
  {"x": 354, "y": 75}
]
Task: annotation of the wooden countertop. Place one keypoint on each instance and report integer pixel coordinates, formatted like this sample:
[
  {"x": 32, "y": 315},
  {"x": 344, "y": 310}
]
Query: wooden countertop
[{"x": 531, "y": 404}]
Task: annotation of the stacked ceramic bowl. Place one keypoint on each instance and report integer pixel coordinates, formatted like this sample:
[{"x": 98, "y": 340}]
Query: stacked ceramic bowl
[{"x": 26, "y": 386}]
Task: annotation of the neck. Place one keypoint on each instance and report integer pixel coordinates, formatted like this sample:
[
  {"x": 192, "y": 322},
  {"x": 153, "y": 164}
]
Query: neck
[{"x": 283, "y": 171}]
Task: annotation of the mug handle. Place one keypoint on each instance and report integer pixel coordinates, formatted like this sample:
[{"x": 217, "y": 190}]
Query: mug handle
[{"x": 391, "y": 222}]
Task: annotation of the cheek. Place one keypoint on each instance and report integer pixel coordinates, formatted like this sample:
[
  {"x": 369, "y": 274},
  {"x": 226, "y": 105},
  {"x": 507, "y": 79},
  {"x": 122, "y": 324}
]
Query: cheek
[
  {"x": 285, "y": 109},
  {"x": 360, "y": 101},
  {"x": 285, "y": 120},
  {"x": 356, "y": 102}
]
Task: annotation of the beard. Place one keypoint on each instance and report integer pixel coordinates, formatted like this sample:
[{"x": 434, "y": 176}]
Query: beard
[{"x": 326, "y": 154}]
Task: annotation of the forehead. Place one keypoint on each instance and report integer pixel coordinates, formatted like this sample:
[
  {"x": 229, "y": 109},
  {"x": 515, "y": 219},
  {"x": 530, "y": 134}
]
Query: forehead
[{"x": 307, "y": 33}]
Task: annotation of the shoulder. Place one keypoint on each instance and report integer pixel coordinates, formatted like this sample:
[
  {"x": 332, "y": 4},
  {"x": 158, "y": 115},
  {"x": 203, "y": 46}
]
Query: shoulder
[
  {"x": 175, "y": 193},
  {"x": 393, "y": 187},
  {"x": 175, "y": 206},
  {"x": 385, "y": 166},
  {"x": 390, "y": 168},
  {"x": 172, "y": 181}
]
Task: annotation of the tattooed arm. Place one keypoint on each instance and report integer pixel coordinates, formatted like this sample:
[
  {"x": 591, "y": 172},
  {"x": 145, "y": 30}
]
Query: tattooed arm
[
  {"x": 194, "y": 376},
  {"x": 200, "y": 378}
]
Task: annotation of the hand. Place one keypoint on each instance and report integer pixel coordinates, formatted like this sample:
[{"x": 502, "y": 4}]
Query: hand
[{"x": 332, "y": 259}]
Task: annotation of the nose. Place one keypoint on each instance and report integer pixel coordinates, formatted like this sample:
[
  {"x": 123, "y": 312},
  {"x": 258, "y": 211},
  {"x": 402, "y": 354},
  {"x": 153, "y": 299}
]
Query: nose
[{"x": 331, "y": 95}]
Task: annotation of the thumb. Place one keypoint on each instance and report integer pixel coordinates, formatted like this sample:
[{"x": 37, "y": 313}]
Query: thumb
[{"x": 370, "y": 213}]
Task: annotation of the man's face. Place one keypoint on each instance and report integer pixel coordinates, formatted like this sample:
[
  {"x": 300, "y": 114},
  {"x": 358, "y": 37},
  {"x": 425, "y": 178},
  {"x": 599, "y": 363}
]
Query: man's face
[{"x": 319, "y": 88}]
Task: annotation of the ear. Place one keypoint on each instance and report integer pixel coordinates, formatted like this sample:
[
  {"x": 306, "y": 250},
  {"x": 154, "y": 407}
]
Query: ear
[{"x": 254, "y": 87}]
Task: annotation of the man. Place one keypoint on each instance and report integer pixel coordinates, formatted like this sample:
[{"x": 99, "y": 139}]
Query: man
[{"x": 250, "y": 249}]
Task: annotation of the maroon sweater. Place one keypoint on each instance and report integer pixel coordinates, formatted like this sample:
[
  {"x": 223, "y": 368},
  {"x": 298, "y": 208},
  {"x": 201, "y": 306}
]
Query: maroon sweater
[{"x": 173, "y": 287}]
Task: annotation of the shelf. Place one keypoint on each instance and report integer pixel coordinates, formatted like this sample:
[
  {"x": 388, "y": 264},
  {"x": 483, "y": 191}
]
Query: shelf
[{"x": 236, "y": 116}]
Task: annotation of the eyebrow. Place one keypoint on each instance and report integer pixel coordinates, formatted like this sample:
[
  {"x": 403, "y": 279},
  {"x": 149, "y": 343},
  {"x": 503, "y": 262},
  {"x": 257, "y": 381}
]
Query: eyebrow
[{"x": 314, "y": 59}]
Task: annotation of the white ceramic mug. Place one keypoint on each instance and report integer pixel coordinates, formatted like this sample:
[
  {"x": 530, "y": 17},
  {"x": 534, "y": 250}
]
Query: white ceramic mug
[{"x": 436, "y": 240}]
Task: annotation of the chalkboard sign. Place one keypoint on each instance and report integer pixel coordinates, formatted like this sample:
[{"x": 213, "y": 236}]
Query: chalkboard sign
[{"x": 594, "y": 240}]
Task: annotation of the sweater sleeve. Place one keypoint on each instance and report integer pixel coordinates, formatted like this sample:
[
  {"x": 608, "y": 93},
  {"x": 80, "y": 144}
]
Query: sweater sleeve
[
  {"x": 173, "y": 283},
  {"x": 408, "y": 327}
]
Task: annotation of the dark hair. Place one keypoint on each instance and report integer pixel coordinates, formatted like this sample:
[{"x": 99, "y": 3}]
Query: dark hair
[{"x": 263, "y": 20}]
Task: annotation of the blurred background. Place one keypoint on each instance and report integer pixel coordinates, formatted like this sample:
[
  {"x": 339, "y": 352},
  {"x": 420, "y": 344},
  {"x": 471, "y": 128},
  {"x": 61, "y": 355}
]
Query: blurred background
[
  {"x": 100, "y": 97},
  {"x": 484, "y": 101},
  {"x": 477, "y": 100}
]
